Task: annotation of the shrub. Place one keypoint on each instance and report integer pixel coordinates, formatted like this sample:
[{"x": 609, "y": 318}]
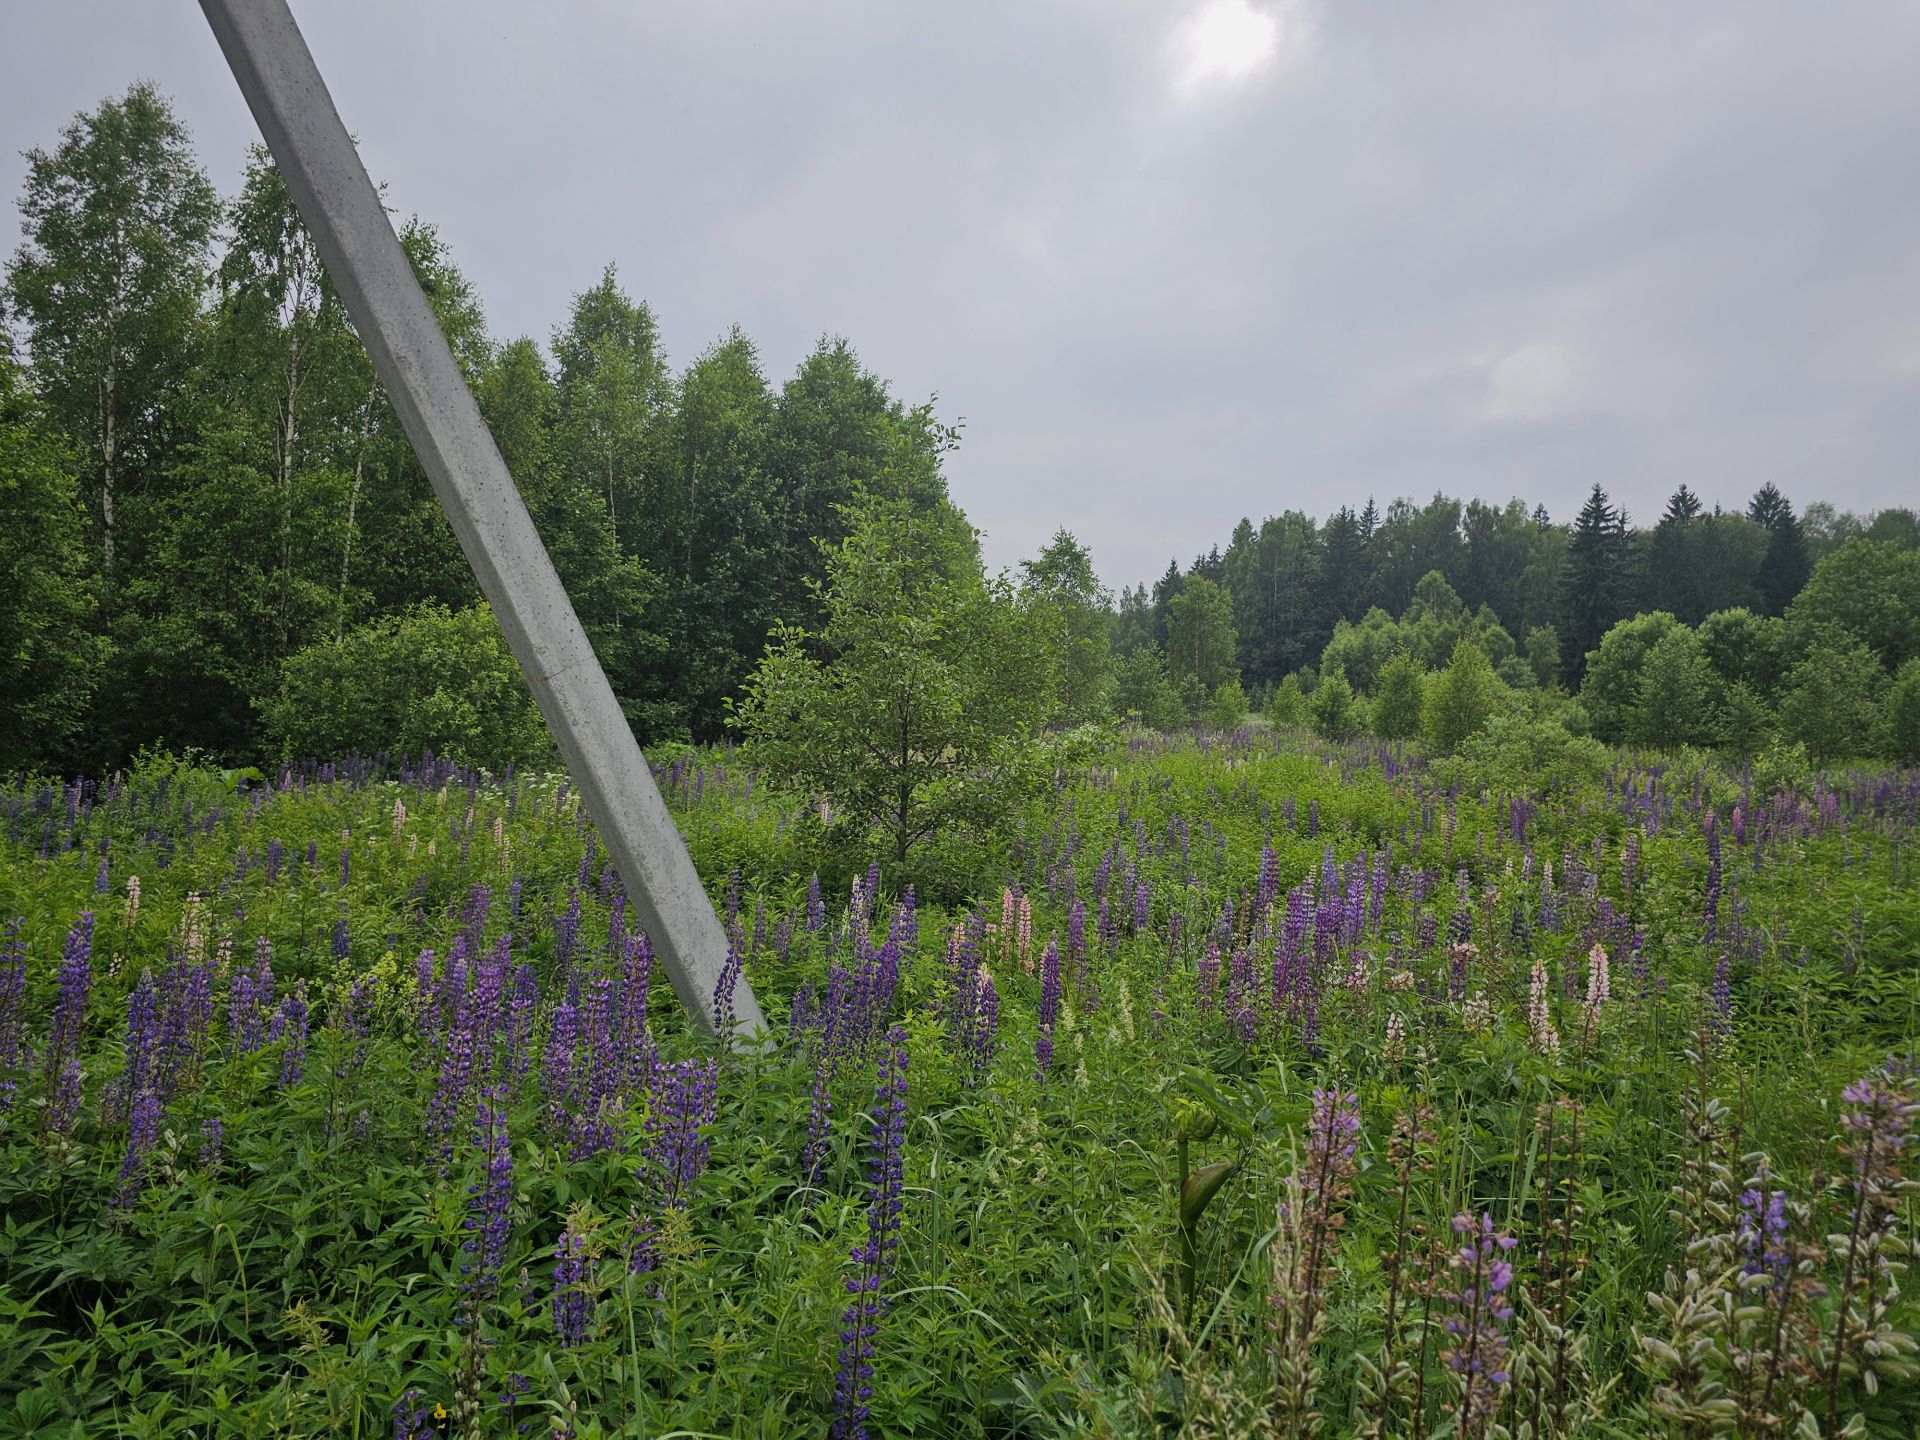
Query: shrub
[
  {"x": 429, "y": 679},
  {"x": 1333, "y": 710},
  {"x": 1287, "y": 705},
  {"x": 1900, "y": 718},
  {"x": 1228, "y": 708},
  {"x": 1461, "y": 699},
  {"x": 1399, "y": 698}
]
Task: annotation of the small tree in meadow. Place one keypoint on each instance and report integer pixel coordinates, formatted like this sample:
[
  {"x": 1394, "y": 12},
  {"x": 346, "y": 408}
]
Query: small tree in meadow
[
  {"x": 1228, "y": 708},
  {"x": 1399, "y": 699},
  {"x": 1675, "y": 685},
  {"x": 1833, "y": 698},
  {"x": 1900, "y": 721},
  {"x": 912, "y": 707},
  {"x": 1336, "y": 715},
  {"x": 1460, "y": 700},
  {"x": 1287, "y": 705}
]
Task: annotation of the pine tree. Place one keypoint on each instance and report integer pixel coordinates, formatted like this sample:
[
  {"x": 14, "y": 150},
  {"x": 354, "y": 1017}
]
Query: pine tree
[
  {"x": 1594, "y": 585},
  {"x": 1683, "y": 506},
  {"x": 1786, "y": 567}
]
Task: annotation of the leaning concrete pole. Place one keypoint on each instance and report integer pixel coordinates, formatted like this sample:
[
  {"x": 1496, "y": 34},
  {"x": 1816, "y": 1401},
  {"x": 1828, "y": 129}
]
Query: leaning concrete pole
[{"x": 269, "y": 58}]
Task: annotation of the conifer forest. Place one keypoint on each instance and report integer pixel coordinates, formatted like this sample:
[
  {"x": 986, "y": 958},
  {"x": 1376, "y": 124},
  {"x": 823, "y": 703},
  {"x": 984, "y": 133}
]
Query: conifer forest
[{"x": 1431, "y": 968}]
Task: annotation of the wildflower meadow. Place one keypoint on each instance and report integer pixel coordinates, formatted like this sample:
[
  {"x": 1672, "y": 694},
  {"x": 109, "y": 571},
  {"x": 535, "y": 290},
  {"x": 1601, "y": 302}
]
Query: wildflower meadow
[{"x": 1255, "y": 1086}]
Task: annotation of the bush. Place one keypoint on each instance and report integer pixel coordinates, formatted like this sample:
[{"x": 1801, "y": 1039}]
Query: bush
[
  {"x": 1288, "y": 704},
  {"x": 1228, "y": 708},
  {"x": 1399, "y": 699},
  {"x": 1526, "y": 755},
  {"x": 1461, "y": 699},
  {"x": 1333, "y": 710},
  {"x": 429, "y": 679},
  {"x": 1832, "y": 702},
  {"x": 1900, "y": 718}
]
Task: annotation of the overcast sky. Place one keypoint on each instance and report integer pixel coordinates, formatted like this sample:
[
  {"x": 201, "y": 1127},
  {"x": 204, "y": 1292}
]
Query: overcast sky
[{"x": 1173, "y": 261}]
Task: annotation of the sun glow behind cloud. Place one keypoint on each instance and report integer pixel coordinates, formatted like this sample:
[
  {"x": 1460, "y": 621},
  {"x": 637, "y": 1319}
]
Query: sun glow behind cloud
[{"x": 1226, "y": 42}]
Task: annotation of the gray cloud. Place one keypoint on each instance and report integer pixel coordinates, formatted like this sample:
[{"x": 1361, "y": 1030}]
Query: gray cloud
[{"x": 1497, "y": 248}]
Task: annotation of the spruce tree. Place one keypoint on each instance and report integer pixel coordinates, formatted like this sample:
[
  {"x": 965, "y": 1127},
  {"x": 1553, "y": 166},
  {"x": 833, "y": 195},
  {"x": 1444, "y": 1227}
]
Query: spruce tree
[
  {"x": 1786, "y": 566},
  {"x": 1594, "y": 585}
]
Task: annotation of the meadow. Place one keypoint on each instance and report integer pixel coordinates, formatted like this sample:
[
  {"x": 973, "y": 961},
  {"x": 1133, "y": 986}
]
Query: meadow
[{"x": 1249, "y": 1085}]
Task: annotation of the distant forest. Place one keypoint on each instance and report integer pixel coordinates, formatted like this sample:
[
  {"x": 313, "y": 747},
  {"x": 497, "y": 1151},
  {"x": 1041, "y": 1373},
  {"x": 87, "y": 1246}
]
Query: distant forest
[{"x": 203, "y": 488}]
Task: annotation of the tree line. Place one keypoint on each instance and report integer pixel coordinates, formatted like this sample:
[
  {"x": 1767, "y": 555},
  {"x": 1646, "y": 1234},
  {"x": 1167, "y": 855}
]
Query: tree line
[
  {"x": 214, "y": 535},
  {"x": 213, "y": 532}
]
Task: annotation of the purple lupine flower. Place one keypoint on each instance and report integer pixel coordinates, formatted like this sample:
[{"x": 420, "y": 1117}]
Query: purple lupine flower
[
  {"x": 521, "y": 1009},
  {"x": 1720, "y": 1016},
  {"x": 860, "y": 1323},
  {"x": 489, "y": 1222},
  {"x": 290, "y": 1024},
  {"x": 1333, "y": 1138},
  {"x": 636, "y": 1042},
  {"x": 212, "y": 1133},
  {"x": 1477, "y": 1317},
  {"x": 1761, "y": 1230},
  {"x": 1875, "y": 1116},
  {"x": 102, "y": 880},
  {"x": 1142, "y": 906},
  {"x": 1049, "y": 1006},
  {"x": 13, "y": 1004},
  {"x": 685, "y": 1098},
  {"x": 143, "y": 1015},
  {"x": 566, "y": 933},
  {"x": 69, "y": 1023},
  {"x": 573, "y": 1301},
  {"x": 728, "y": 979},
  {"x": 1710, "y": 904},
  {"x": 143, "y": 1129},
  {"x": 816, "y": 906},
  {"x": 411, "y": 1417}
]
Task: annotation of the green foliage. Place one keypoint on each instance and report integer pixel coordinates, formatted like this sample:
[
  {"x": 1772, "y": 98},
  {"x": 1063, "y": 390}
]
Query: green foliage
[
  {"x": 1461, "y": 700},
  {"x": 910, "y": 710},
  {"x": 1141, "y": 689},
  {"x": 1287, "y": 705},
  {"x": 1333, "y": 710},
  {"x": 1611, "y": 690},
  {"x": 1227, "y": 710},
  {"x": 1871, "y": 590},
  {"x": 1063, "y": 587},
  {"x": 1522, "y": 754},
  {"x": 1676, "y": 686},
  {"x": 49, "y": 657},
  {"x": 1901, "y": 719},
  {"x": 1200, "y": 638},
  {"x": 1833, "y": 699},
  {"x": 431, "y": 679},
  {"x": 1399, "y": 700}
]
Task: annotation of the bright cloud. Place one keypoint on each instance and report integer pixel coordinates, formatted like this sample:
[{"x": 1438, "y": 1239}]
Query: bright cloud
[{"x": 1227, "y": 41}]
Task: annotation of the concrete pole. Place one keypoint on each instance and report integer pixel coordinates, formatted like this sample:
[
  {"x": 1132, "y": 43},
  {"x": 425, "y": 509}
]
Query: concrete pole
[{"x": 322, "y": 170}]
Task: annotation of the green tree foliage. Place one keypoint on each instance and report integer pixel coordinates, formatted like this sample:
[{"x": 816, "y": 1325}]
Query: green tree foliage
[
  {"x": 1288, "y": 704},
  {"x": 49, "y": 657},
  {"x": 1611, "y": 690},
  {"x": 1362, "y": 651},
  {"x": 1461, "y": 700},
  {"x": 1595, "y": 583},
  {"x": 1142, "y": 690},
  {"x": 1399, "y": 700},
  {"x": 1061, "y": 583},
  {"x": 1832, "y": 703},
  {"x": 1785, "y": 567},
  {"x": 1901, "y": 719},
  {"x": 1200, "y": 637},
  {"x": 1745, "y": 649},
  {"x": 910, "y": 708},
  {"x": 1671, "y": 708},
  {"x": 1543, "y": 654},
  {"x": 1227, "y": 709},
  {"x": 430, "y": 679},
  {"x": 1333, "y": 710},
  {"x": 1870, "y": 589},
  {"x": 119, "y": 219}
]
